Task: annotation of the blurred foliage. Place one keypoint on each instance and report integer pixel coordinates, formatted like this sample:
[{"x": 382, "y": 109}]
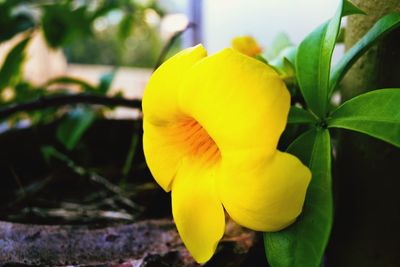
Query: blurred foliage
[
  {"x": 120, "y": 34},
  {"x": 74, "y": 125},
  {"x": 11, "y": 68},
  {"x": 111, "y": 32},
  {"x": 14, "y": 19},
  {"x": 63, "y": 24},
  {"x": 108, "y": 47},
  {"x": 78, "y": 120}
]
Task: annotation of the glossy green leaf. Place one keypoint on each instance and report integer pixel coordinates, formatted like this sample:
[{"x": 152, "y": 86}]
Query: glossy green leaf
[
  {"x": 72, "y": 128},
  {"x": 11, "y": 69},
  {"x": 300, "y": 115},
  {"x": 313, "y": 60},
  {"x": 381, "y": 28},
  {"x": 375, "y": 113},
  {"x": 304, "y": 242}
]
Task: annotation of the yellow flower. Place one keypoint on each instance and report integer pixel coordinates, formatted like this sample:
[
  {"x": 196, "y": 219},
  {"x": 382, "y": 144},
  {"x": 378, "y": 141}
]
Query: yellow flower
[
  {"x": 211, "y": 128},
  {"x": 246, "y": 45}
]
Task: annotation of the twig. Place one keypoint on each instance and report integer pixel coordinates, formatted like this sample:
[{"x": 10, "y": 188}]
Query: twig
[
  {"x": 78, "y": 215},
  {"x": 61, "y": 100},
  {"x": 16, "y": 177},
  {"x": 169, "y": 44},
  {"x": 94, "y": 177},
  {"x": 29, "y": 191}
]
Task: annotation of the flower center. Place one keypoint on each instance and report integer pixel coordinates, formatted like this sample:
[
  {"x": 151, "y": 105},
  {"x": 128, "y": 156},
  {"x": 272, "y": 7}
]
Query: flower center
[{"x": 198, "y": 143}]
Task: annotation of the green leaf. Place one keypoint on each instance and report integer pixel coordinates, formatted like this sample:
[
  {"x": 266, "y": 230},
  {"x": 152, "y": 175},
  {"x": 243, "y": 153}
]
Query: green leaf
[
  {"x": 313, "y": 60},
  {"x": 284, "y": 62},
  {"x": 104, "y": 8},
  {"x": 381, "y": 28},
  {"x": 71, "y": 80},
  {"x": 131, "y": 154},
  {"x": 63, "y": 23},
  {"x": 125, "y": 26},
  {"x": 72, "y": 128},
  {"x": 47, "y": 153},
  {"x": 56, "y": 24},
  {"x": 299, "y": 115},
  {"x": 375, "y": 113},
  {"x": 105, "y": 82},
  {"x": 103, "y": 87},
  {"x": 280, "y": 42},
  {"x": 14, "y": 19},
  {"x": 11, "y": 69},
  {"x": 303, "y": 243},
  {"x": 50, "y": 152},
  {"x": 262, "y": 59},
  {"x": 24, "y": 91}
]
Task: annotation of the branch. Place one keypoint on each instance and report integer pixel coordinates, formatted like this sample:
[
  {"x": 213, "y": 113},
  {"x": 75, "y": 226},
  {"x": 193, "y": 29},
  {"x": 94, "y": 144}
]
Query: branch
[
  {"x": 71, "y": 245},
  {"x": 148, "y": 240},
  {"x": 61, "y": 100}
]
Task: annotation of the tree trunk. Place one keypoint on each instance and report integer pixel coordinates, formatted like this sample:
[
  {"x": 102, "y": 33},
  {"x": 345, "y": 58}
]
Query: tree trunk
[{"x": 366, "y": 229}]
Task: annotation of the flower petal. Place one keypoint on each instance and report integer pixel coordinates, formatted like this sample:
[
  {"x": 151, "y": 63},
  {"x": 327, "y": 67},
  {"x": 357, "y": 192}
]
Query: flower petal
[
  {"x": 266, "y": 195},
  {"x": 161, "y": 111},
  {"x": 241, "y": 102},
  {"x": 161, "y": 93},
  {"x": 197, "y": 210},
  {"x": 246, "y": 45}
]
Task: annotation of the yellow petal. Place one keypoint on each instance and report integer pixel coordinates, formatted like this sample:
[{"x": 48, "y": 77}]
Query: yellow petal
[
  {"x": 197, "y": 210},
  {"x": 246, "y": 45},
  {"x": 161, "y": 111},
  {"x": 161, "y": 93},
  {"x": 267, "y": 195},
  {"x": 241, "y": 102}
]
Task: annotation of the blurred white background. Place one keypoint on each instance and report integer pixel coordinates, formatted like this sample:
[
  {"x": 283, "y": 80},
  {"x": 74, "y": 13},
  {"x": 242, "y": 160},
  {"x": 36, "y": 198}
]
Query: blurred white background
[
  {"x": 222, "y": 20},
  {"x": 263, "y": 19}
]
